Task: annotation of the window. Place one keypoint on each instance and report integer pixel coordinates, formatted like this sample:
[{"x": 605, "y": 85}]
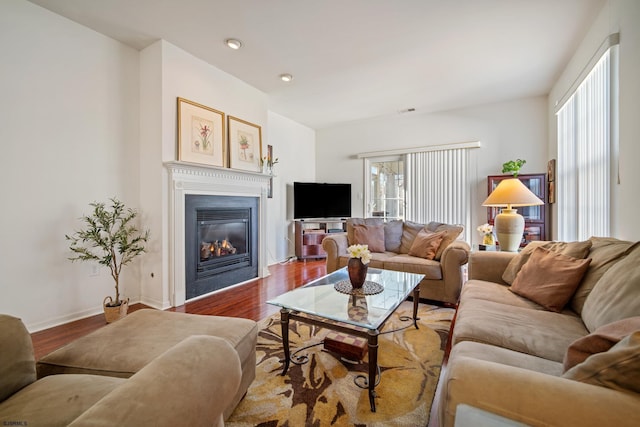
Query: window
[
  {"x": 421, "y": 184},
  {"x": 385, "y": 197},
  {"x": 584, "y": 155}
]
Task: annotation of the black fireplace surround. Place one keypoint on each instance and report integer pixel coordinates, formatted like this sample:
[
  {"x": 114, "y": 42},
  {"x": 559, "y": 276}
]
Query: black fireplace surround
[{"x": 221, "y": 242}]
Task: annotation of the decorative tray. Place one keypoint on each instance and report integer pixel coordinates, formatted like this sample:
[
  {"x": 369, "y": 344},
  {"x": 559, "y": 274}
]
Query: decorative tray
[{"x": 368, "y": 288}]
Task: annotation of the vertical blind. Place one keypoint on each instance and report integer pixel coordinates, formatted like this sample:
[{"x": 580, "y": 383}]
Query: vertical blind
[
  {"x": 583, "y": 175},
  {"x": 438, "y": 187}
]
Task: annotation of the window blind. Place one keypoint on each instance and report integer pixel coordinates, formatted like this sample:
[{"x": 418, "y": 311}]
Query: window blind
[
  {"x": 584, "y": 147},
  {"x": 438, "y": 187}
]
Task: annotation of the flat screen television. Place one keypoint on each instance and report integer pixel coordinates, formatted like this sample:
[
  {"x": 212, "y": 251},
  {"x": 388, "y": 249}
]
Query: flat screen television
[{"x": 321, "y": 200}]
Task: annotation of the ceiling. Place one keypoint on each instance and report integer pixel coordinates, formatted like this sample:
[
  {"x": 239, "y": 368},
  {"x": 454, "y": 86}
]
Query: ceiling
[{"x": 360, "y": 59}]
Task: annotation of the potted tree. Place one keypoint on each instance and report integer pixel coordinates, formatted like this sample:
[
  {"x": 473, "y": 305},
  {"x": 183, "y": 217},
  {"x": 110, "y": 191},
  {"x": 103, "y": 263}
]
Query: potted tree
[{"x": 110, "y": 238}]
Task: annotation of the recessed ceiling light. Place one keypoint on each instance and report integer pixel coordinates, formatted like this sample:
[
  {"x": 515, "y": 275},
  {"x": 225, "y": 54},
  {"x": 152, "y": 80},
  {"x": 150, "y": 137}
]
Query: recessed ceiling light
[
  {"x": 234, "y": 44},
  {"x": 286, "y": 77}
]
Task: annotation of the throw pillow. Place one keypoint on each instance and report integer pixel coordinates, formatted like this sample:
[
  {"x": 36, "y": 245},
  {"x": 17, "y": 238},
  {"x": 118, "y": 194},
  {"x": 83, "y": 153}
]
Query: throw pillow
[
  {"x": 616, "y": 295},
  {"x": 578, "y": 250},
  {"x": 451, "y": 233},
  {"x": 599, "y": 341},
  {"x": 604, "y": 254},
  {"x": 549, "y": 278},
  {"x": 393, "y": 235},
  {"x": 409, "y": 232},
  {"x": 618, "y": 368},
  {"x": 426, "y": 244},
  {"x": 371, "y": 235},
  {"x": 351, "y": 222}
]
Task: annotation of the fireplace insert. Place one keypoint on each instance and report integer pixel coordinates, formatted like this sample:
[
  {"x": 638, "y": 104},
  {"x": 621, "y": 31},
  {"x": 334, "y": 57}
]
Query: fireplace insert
[{"x": 221, "y": 242}]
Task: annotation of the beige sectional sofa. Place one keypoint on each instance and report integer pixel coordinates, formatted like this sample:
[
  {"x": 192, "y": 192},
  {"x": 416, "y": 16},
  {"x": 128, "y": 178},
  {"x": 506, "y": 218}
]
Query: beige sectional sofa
[
  {"x": 577, "y": 366},
  {"x": 443, "y": 275},
  {"x": 191, "y": 383},
  {"x": 124, "y": 348}
]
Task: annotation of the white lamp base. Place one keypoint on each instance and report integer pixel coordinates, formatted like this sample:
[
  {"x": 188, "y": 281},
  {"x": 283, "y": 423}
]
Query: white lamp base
[{"x": 509, "y": 226}]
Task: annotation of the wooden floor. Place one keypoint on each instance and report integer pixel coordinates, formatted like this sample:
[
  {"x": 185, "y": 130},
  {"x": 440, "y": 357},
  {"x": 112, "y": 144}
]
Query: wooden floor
[{"x": 248, "y": 300}]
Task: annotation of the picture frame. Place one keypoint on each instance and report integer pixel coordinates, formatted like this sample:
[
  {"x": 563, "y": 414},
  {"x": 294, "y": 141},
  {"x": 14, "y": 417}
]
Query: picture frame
[
  {"x": 551, "y": 170},
  {"x": 201, "y": 134},
  {"x": 245, "y": 144}
]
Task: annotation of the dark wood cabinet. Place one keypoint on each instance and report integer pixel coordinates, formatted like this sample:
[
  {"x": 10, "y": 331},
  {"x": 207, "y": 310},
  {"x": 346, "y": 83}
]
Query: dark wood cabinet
[
  {"x": 310, "y": 233},
  {"x": 535, "y": 217}
]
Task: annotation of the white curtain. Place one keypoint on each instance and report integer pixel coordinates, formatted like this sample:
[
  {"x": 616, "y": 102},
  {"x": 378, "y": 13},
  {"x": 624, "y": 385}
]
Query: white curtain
[
  {"x": 438, "y": 187},
  {"x": 584, "y": 156}
]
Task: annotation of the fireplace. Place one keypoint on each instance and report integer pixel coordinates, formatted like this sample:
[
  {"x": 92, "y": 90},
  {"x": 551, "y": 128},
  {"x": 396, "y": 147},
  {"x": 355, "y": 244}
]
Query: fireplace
[
  {"x": 221, "y": 242},
  {"x": 187, "y": 180}
]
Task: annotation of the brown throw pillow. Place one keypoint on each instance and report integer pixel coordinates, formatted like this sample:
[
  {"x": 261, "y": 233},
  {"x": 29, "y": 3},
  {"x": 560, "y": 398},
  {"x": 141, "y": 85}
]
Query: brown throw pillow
[
  {"x": 426, "y": 244},
  {"x": 549, "y": 278},
  {"x": 371, "y": 235},
  {"x": 409, "y": 232},
  {"x": 578, "y": 250},
  {"x": 601, "y": 340},
  {"x": 618, "y": 368},
  {"x": 451, "y": 233}
]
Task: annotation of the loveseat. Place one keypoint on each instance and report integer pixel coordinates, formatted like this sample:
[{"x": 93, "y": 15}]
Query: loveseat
[
  {"x": 124, "y": 348},
  {"x": 550, "y": 336},
  {"x": 431, "y": 249},
  {"x": 191, "y": 384}
]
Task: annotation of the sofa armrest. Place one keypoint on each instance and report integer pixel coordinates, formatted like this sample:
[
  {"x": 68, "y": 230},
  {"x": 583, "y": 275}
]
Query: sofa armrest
[
  {"x": 489, "y": 265},
  {"x": 533, "y": 398},
  {"x": 189, "y": 384},
  {"x": 453, "y": 258},
  {"x": 335, "y": 245}
]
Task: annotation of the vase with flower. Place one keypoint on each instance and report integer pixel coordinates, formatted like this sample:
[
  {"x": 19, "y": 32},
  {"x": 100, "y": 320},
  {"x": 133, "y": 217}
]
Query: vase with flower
[
  {"x": 488, "y": 238},
  {"x": 359, "y": 258}
]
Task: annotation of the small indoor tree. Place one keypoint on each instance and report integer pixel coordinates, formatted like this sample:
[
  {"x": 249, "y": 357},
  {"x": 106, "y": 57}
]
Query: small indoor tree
[{"x": 110, "y": 238}]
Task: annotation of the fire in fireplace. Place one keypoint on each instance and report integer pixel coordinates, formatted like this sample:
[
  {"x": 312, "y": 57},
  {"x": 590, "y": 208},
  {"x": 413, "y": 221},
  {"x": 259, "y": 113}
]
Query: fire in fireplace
[{"x": 221, "y": 242}]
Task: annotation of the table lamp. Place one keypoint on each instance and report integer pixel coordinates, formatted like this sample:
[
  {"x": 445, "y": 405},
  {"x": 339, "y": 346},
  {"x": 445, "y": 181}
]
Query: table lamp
[{"x": 509, "y": 224}]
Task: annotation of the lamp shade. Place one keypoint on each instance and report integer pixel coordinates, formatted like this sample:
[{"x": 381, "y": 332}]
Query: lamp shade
[
  {"x": 509, "y": 224},
  {"x": 512, "y": 192}
]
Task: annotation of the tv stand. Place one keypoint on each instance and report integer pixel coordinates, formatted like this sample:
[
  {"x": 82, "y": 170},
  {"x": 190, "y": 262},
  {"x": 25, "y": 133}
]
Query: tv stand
[{"x": 309, "y": 234}]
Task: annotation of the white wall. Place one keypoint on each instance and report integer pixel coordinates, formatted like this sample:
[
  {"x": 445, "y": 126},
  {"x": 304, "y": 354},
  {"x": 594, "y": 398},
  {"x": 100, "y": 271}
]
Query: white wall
[
  {"x": 507, "y": 130},
  {"x": 294, "y": 146},
  {"x": 69, "y": 131},
  {"x": 621, "y": 16}
]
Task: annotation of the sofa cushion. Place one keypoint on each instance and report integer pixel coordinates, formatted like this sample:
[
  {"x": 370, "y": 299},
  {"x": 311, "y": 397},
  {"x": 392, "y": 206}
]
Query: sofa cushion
[
  {"x": 360, "y": 221},
  {"x": 616, "y": 295},
  {"x": 452, "y": 232},
  {"x": 17, "y": 363},
  {"x": 409, "y": 232},
  {"x": 56, "y": 400},
  {"x": 599, "y": 341},
  {"x": 549, "y": 278},
  {"x": 605, "y": 253},
  {"x": 370, "y": 235},
  {"x": 393, "y": 235},
  {"x": 618, "y": 368},
  {"x": 426, "y": 244},
  {"x": 411, "y": 264},
  {"x": 492, "y": 353},
  {"x": 578, "y": 250},
  {"x": 496, "y": 292},
  {"x": 540, "y": 333}
]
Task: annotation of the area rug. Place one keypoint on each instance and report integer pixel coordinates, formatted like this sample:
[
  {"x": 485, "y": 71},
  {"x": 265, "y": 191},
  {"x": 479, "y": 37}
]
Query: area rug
[{"x": 322, "y": 392}]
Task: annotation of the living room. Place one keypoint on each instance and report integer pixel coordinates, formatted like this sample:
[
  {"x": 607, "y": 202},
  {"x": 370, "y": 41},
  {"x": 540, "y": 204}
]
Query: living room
[{"x": 62, "y": 80}]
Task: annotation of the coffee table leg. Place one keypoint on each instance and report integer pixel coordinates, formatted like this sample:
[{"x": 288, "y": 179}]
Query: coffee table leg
[
  {"x": 416, "y": 300},
  {"x": 373, "y": 367},
  {"x": 284, "y": 324}
]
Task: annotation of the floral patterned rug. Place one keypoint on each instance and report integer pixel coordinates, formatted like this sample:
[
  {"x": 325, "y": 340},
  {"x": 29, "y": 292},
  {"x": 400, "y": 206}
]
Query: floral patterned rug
[{"x": 322, "y": 391}]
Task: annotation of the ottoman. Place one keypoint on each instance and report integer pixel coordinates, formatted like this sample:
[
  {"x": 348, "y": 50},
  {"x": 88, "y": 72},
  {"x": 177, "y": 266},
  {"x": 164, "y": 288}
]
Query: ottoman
[{"x": 122, "y": 348}]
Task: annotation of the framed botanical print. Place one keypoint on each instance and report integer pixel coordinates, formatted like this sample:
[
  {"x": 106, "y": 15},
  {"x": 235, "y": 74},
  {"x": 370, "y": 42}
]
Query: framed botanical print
[
  {"x": 245, "y": 145},
  {"x": 201, "y": 134}
]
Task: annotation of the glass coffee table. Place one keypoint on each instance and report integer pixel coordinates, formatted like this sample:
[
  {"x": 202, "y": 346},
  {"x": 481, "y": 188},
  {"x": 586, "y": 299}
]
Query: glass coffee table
[{"x": 326, "y": 302}]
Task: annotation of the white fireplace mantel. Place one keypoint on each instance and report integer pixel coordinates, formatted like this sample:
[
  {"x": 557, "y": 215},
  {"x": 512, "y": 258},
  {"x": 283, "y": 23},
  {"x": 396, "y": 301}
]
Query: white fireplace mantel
[{"x": 189, "y": 178}]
